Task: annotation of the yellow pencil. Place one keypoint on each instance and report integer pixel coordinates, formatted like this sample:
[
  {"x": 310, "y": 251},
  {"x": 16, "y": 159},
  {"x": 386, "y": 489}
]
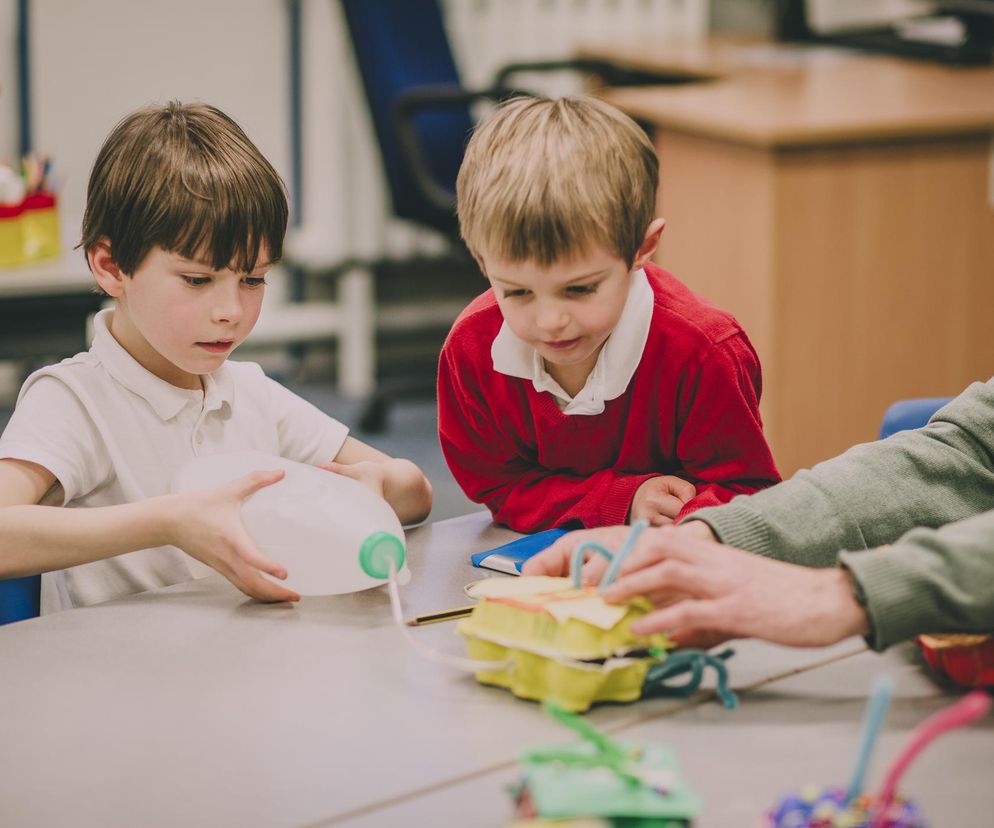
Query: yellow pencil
[{"x": 444, "y": 615}]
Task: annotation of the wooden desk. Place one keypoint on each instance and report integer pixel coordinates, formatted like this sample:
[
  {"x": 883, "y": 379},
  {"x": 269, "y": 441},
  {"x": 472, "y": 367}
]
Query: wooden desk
[
  {"x": 840, "y": 205},
  {"x": 194, "y": 706}
]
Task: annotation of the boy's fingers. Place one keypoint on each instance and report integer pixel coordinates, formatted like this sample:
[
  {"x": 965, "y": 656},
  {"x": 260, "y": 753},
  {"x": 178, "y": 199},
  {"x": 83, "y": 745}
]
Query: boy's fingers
[
  {"x": 667, "y": 505},
  {"x": 683, "y": 489},
  {"x": 250, "y": 581},
  {"x": 258, "y": 587},
  {"x": 247, "y": 551},
  {"x": 252, "y": 482}
]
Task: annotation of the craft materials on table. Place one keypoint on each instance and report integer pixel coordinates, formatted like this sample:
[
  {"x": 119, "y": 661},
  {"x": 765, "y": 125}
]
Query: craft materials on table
[
  {"x": 600, "y": 782},
  {"x": 557, "y": 640},
  {"x": 835, "y": 807}
]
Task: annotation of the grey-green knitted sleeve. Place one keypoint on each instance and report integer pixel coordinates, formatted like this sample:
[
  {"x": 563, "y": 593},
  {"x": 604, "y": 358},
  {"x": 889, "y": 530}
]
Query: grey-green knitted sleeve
[
  {"x": 874, "y": 493},
  {"x": 930, "y": 581}
]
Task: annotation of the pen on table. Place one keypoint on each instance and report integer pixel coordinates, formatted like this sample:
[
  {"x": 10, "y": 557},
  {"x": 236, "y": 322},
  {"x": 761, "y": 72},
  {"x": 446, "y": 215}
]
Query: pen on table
[{"x": 444, "y": 615}]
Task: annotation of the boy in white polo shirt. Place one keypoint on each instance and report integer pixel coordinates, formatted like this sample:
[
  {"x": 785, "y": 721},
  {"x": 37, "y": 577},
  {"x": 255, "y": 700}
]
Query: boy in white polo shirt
[{"x": 184, "y": 217}]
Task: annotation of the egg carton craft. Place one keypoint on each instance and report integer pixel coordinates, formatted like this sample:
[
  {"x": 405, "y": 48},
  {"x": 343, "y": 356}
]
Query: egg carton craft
[{"x": 556, "y": 639}]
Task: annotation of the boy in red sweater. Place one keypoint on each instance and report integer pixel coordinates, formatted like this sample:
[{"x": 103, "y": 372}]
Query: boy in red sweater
[{"x": 587, "y": 386}]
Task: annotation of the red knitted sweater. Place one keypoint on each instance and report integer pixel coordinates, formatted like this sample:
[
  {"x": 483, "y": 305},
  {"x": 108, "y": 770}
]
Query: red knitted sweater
[{"x": 691, "y": 409}]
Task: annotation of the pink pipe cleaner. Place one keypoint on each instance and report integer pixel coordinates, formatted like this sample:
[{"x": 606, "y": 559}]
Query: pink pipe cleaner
[{"x": 968, "y": 709}]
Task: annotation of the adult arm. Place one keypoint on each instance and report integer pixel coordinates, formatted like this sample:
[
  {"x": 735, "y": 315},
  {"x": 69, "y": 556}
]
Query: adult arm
[
  {"x": 929, "y": 581},
  {"x": 874, "y": 493}
]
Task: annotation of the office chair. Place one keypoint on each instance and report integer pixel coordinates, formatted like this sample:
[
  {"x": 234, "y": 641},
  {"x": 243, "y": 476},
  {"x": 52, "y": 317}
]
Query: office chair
[
  {"x": 20, "y": 598},
  {"x": 422, "y": 117},
  {"x": 421, "y": 112},
  {"x": 909, "y": 414}
]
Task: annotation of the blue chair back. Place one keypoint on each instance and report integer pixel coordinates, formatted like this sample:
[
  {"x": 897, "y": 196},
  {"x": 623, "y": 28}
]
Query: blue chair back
[
  {"x": 20, "y": 598},
  {"x": 399, "y": 45},
  {"x": 909, "y": 414}
]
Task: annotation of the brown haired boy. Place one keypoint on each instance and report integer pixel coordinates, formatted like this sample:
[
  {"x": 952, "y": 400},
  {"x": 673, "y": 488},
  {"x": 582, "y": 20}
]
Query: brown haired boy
[
  {"x": 184, "y": 217},
  {"x": 587, "y": 386}
]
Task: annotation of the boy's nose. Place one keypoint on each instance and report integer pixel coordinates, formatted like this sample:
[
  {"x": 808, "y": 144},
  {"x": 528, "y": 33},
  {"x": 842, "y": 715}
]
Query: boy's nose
[
  {"x": 551, "y": 319},
  {"x": 227, "y": 309}
]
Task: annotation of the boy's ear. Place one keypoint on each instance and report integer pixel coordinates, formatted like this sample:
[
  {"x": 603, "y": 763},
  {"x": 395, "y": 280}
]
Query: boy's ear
[
  {"x": 649, "y": 243},
  {"x": 105, "y": 270}
]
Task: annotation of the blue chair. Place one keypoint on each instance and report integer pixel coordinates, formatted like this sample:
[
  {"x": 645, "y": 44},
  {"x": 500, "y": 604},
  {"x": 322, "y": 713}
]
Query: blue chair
[
  {"x": 420, "y": 109},
  {"x": 422, "y": 118},
  {"x": 909, "y": 414},
  {"x": 20, "y": 598}
]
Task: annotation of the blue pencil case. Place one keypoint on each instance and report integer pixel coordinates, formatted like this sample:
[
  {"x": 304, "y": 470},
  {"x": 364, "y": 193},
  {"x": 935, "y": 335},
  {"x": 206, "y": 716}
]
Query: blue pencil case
[{"x": 511, "y": 556}]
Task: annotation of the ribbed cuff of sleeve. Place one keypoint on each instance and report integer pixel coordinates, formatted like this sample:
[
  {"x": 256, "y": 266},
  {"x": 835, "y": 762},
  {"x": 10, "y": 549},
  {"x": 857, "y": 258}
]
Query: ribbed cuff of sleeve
[
  {"x": 737, "y": 525},
  {"x": 616, "y": 504},
  {"x": 893, "y": 601}
]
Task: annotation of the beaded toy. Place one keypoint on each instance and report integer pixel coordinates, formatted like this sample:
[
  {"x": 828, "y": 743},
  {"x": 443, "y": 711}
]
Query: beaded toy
[{"x": 854, "y": 808}]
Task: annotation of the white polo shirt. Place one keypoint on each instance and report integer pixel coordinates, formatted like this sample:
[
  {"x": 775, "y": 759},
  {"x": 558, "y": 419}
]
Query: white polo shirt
[
  {"x": 615, "y": 366},
  {"x": 112, "y": 432}
]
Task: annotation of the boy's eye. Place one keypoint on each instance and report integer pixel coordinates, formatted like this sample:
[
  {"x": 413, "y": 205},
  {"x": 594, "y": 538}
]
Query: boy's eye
[
  {"x": 254, "y": 281},
  {"x": 197, "y": 281},
  {"x": 581, "y": 290},
  {"x": 511, "y": 294}
]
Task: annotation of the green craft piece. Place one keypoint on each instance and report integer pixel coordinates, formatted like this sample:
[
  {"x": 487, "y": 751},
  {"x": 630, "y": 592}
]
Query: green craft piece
[{"x": 599, "y": 777}]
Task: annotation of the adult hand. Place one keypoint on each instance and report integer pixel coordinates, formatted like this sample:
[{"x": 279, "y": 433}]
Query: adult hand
[
  {"x": 557, "y": 558},
  {"x": 707, "y": 593},
  {"x": 208, "y": 526},
  {"x": 659, "y": 499}
]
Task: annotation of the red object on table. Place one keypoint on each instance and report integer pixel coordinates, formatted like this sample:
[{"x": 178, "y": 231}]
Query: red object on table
[{"x": 966, "y": 659}]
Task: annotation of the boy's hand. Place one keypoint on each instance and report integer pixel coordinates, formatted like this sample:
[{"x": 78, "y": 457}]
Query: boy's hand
[
  {"x": 370, "y": 473},
  {"x": 660, "y": 499},
  {"x": 210, "y": 529}
]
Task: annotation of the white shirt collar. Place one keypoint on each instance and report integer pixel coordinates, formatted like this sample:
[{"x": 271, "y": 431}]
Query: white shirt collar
[
  {"x": 615, "y": 366},
  {"x": 166, "y": 400}
]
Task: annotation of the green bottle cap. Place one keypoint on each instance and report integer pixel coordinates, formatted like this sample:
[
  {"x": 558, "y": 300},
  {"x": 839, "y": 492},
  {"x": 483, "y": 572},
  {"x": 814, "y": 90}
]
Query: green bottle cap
[{"x": 376, "y": 553}]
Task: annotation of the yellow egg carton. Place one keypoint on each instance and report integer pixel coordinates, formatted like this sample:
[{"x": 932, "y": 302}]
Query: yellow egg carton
[{"x": 560, "y": 643}]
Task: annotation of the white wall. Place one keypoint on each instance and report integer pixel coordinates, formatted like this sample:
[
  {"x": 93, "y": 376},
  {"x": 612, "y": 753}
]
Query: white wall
[
  {"x": 8, "y": 80},
  {"x": 93, "y": 62}
]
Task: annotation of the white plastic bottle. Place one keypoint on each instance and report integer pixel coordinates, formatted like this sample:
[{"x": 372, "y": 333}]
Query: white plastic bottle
[{"x": 331, "y": 533}]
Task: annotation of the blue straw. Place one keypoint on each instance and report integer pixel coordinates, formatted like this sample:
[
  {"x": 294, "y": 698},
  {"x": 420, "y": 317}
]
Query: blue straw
[{"x": 876, "y": 709}]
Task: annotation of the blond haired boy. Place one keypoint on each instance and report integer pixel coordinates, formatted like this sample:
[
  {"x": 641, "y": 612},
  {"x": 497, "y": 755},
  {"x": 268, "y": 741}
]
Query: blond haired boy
[
  {"x": 587, "y": 386},
  {"x": 184, "y": 217}
]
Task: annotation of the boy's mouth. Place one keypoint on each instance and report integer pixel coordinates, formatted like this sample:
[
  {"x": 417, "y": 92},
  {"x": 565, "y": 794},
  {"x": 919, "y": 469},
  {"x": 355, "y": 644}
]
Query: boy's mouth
[
  {"x": 217, "y": 346},
  {"x": 562, "y": 344}
]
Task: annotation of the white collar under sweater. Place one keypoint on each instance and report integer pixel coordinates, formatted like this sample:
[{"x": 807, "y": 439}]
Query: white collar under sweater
[{"x": 615, "y": 366}]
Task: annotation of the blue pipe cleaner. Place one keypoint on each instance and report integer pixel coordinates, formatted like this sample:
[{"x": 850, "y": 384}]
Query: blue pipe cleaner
[
  {"x": 615, "y": 559},
  {"x": 693, "y": 662}
]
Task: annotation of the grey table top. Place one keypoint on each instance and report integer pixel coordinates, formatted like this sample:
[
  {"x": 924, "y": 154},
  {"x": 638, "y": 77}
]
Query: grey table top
[{"x": 194, "y": 705}]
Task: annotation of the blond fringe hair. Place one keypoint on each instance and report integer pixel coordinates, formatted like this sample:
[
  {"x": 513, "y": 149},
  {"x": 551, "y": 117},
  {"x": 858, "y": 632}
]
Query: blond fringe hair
[{"x": 545, "y": 180}]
